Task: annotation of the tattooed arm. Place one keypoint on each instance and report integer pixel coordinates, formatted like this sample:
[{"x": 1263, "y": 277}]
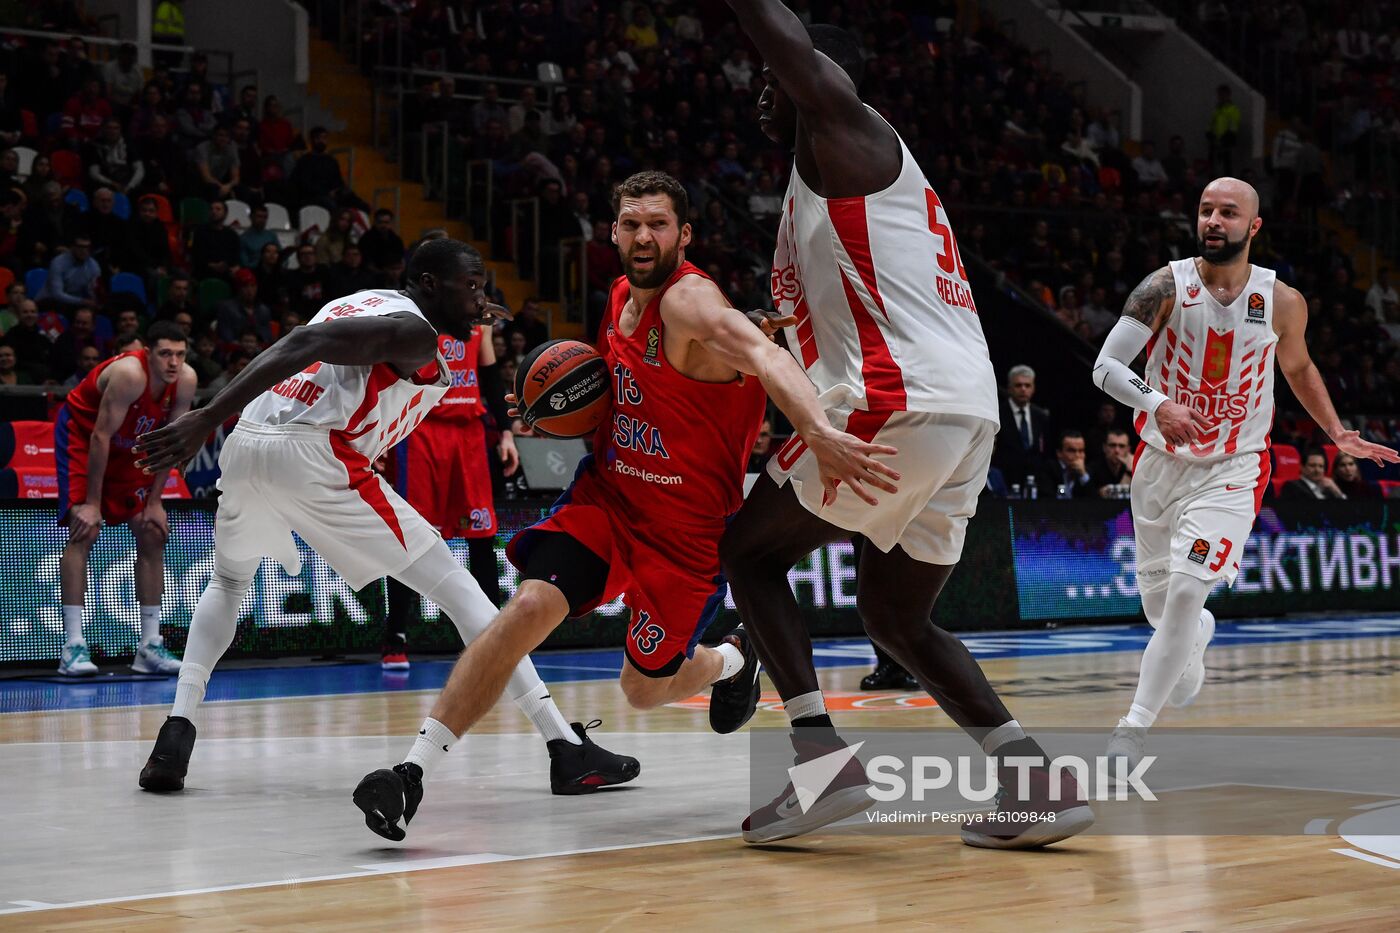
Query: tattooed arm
[{"x": 1144, "y": 313}]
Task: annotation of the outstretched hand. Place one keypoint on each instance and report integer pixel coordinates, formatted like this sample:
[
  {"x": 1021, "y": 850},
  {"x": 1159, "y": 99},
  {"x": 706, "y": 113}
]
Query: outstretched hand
[
  {"x": 175, "y": 444},
  {"x": 1350, "y": 442},
  {"x": 845, "y": 458}
]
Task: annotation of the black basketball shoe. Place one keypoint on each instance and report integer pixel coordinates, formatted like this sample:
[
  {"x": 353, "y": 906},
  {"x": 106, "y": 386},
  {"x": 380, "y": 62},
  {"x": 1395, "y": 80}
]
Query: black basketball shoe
[
  {"x": 170, "y": 759},
  {"x": 387, "y": 794},
  {"x": 888, "y": 676},
  {"x": 584, "y": 768},
  {"x": 733, "y": 701}
]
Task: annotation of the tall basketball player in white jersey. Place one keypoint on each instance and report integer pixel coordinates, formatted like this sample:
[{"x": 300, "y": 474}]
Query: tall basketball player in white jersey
[
  {"x": 1213, "y": 326},
  {"x": 318, "y": 408},
  {"x": 868, "y": 279}
]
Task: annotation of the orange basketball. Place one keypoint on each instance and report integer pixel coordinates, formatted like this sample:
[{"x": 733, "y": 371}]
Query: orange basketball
[{"x": 563, "y": 389}]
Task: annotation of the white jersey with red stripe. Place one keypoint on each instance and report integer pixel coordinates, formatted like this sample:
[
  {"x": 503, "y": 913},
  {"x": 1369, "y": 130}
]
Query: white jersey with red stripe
[
  {"x": 1218, "y": 360},
  {"x": 365, "y": 409},
  {"x": 885, "y": 316}
]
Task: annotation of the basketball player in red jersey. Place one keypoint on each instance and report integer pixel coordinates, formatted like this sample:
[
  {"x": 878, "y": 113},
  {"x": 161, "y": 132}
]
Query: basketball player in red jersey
[
  {"x": 886, "y": 327},
  {"x": 318, "y": 407},
  {"x": 1212, "y": 326},
  {"x": 441, "y": 469},
  {"x": 99, "y": 482},
  {"x": 644, "y": 515}
]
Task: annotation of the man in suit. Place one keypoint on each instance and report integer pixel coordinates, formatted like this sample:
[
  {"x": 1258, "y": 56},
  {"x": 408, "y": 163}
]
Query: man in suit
[
  {"x": 1022, "y": 443},
  {"x": 1115, "y": 464},
  {"x": 1314, "y": 484},
  {"x": 1067, "y": 469}
]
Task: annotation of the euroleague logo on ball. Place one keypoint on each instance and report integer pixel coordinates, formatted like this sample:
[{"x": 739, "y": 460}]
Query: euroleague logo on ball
[{"x": 558, "y": 400}]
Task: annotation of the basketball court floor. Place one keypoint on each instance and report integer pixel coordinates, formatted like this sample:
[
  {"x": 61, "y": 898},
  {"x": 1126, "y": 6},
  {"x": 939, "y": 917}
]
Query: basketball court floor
[{"x": 265, "y": 835}]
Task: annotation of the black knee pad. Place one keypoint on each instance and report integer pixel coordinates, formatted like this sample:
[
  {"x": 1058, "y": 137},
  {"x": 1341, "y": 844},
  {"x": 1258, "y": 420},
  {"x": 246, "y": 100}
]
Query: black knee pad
[{"x": 564, "y": 563}]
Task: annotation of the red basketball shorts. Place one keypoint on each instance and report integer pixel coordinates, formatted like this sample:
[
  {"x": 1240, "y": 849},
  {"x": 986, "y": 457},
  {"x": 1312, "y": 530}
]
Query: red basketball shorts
[
  {"x": 673, "y": 586},
  {"x": 124, "y": 486},
  {"x": 441, "y": 469}
]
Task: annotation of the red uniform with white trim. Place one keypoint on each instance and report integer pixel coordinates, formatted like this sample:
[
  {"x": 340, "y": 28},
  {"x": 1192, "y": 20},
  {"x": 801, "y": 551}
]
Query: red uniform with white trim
[
  {"x": 299, "y": 460},
  {"x": 654, "y": 497},
  {"x": 124, "y": 485},
  {"x": 1194, "y": 506},
  {"x": 442, "y": 468},
  {"x": 888, "y": 331}
]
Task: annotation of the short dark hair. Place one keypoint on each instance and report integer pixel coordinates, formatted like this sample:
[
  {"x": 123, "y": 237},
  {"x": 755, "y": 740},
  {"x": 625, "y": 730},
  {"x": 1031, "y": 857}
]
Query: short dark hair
[
  {"x": 643, "y": 183},
  {"x": 381, "y": 212},
  {"x": 1068, "y": 435},
  {"x": 165, "y": 330},
  {"x": 440, "y": 257},
  {"x": 841, "y": 47},
  {"x": 1315, "y": 452}
]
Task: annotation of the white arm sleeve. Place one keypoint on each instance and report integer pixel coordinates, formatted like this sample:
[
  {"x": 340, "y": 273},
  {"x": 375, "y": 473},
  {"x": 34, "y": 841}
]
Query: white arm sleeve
[{"x": 1111, "y": 373}]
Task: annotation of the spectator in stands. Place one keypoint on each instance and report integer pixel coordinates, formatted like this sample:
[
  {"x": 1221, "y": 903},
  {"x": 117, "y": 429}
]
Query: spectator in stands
[
  {"x": 272, "y": 278},
  {"x": 762, "y": 447},
  {"x": 382, "y": 248},
  {"x": 88, "y": 358},
  {"x": 202, "y": 359},
  {"x": 306, "y": 284},
  {"x": 11, "y": 230},
  {"x": 10, "y": 373},
  {"x": 9, "y": 314},
  {"x": 216, "y": 162},
  {"x": 123, "y": 79},
  {"x": 110, "y": 235},
  {"x": 330, "y": 246},
  {"x": 1314, "y": 483},
  {"x": 48, "y": 223},
  {"x": 252, "y": 241},
  {"x": 488, "y": 108},
  {"x": 179, "y": 298},
  {"x": 213, "y": 96},
  {"x": 243, "y": 311},
  {"x": 166, "y": 163},
  {"x": 641, "y": 32},
  {"x": 1114, "y": 466},
  {"x": 316, "y": 178},
  {"x": 250, "y": 160},
  {"x": 32, "y": 347},
  {"x": 1382, "y": 298},
  {"x": 73, "y": 275},
  {"x": 245, "y": 109},
  {"x": 214, "y": 249},
  {"x": 516, "y": 114},
  {"x": 85, "y": 113},
  {"x": 193, "y": 122},
  {"x": 184, "y": 320},
  {"x": 1347, "y": 477},
  {"x": 81, "y": 333},
  {"x": 126, "y": 329},
  {"x": 237, "y": 360},
  {"x": 40, "y": 174},
  {"x": 1021, "y": 443},
  {"x": 276, "y": 134},
  {"x": 1149, "y": 169},
  {"x": 11, "y": 115},
  {"x": 1067, "y": 476},
  {"x": 350, "y": 275},
  {"x": 528, "y": 322},
  {"x": 110, "y": 163}
]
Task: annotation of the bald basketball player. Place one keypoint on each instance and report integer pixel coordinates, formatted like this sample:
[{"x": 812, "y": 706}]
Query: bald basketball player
[{"x": 1213, "y": 326}]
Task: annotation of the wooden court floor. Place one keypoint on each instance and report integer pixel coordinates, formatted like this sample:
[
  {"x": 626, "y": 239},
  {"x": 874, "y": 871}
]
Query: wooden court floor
[{"x": 267, "y": 832}]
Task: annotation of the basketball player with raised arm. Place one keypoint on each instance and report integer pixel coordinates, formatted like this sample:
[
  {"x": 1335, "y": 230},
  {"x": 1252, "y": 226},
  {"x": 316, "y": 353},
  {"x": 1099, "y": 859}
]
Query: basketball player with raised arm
[
  {"x": 887, "y": 329},
  {"x": 1213, "y": 326},
  {"x": 645, "y": 513},
  {"x": 318, "y": 407}
]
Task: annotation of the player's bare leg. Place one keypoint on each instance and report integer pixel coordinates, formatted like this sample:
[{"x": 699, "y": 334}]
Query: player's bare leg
[
  {"x": 707, "y": 666},
  {"x": 152, "y": 657},
  {"x": 72, "y": 575}
]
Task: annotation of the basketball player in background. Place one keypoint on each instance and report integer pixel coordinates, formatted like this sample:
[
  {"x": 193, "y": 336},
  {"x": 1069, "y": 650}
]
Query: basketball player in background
[
  {"x": 644, "y": 515},
  {"x": 1212, "y": 326},
  {"x": 887, "y": 330},
  {"x": 99, "y": 482},
  {"x": 318, "y": 407},
  {"x": 442, "y": 471}
]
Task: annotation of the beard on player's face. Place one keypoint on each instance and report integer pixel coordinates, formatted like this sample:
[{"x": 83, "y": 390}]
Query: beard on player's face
[
  {"x": 1220, "y": 251},
  {"x": 655, "y": 273}
]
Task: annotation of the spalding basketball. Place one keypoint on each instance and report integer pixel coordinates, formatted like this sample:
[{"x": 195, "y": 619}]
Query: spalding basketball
[{"x": 563, "y": 389}]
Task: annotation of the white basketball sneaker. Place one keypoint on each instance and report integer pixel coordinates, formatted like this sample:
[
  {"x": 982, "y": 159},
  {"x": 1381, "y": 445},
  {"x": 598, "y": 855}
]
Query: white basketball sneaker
[
  {"x": 75, "y": 660},
  {"x": 1126, "y": 742},
  {"x": 1189, "y": 685},
  {"x": 153, "y": 657}
]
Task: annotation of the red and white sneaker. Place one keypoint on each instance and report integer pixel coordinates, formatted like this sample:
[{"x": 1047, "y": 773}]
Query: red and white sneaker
[
  {"x": 820, "y": 797},
  {"x": 393, "y": 656},
  {"x": 1034, "y": 821}
]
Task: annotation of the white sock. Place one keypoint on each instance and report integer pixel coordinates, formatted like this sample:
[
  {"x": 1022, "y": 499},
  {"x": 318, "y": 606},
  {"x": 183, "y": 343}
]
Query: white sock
[
  {"x": 733, "y": 661},
  {"x": 73, "y": 623},
  {"x": 808, "y": 704},
  {"x": 189, "y": 690},
  {"x": 1009, "y": 731},
  {"x": 150, "y": 624},
  {"x": 1139, "y": 717},
  {"x": 546, "y": 716},
  {"x": 433, "y": 742}
]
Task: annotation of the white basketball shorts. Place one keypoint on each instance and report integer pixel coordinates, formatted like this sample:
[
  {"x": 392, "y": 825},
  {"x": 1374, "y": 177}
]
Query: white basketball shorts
[
  {"x": 942, "y": 462},
  {"x": 1194, "y": 518},
  {"x": 276, "y": 480}
]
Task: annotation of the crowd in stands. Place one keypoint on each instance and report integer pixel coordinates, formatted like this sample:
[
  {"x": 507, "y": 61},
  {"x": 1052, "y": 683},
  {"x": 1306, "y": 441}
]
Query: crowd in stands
[{"x": 1039, "y": 182}]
